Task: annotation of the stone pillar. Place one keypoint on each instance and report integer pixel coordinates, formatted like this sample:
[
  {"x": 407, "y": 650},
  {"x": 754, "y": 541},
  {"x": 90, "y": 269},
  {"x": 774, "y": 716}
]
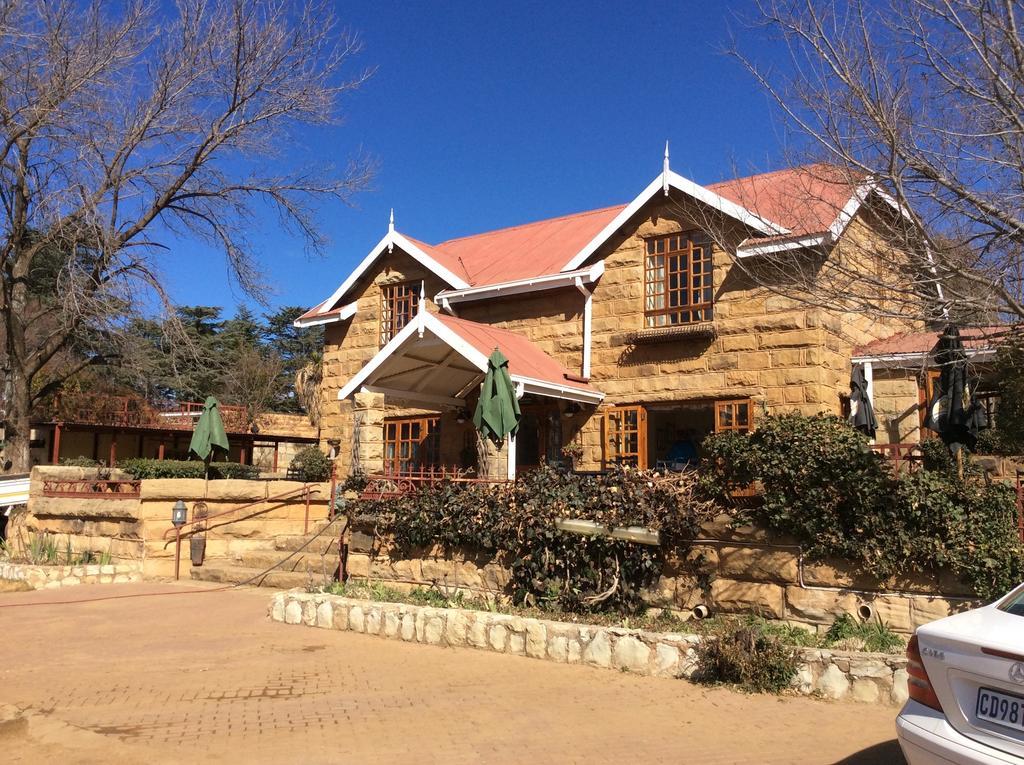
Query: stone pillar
[
  {"x": 493, "y": 459},
  {"x": 368, "y": 432}
]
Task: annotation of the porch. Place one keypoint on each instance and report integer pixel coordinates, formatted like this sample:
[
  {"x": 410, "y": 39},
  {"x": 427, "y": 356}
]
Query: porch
[{"x": 429, "y": 376}]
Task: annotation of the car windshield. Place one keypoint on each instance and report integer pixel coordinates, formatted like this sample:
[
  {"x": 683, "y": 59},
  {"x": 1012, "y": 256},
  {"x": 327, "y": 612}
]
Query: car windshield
[{"x": 1014, "y": 602}]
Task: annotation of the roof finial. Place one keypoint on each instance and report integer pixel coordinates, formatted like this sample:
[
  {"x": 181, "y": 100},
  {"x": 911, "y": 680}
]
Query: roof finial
[
  {"x": 391, "y": 231},
  {"x": 664, "y": 171}
]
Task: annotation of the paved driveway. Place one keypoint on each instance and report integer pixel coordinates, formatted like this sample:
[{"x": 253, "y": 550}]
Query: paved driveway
[{"x": 187, "y": 676}]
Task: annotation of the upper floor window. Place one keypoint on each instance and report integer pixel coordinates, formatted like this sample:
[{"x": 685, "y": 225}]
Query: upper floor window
[
  {"x": 397, "y": 306},
  {"x": 677, "y": 280}
]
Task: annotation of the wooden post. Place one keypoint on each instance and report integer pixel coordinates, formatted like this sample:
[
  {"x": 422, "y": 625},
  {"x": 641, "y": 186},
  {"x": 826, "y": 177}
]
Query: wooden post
[
  {"x": 113, "y": 449},
  {"x": 160, "y": 450},
  {"x": 56, "y": 445},
  {"x": 276, "y": 445},
  {"x": 96, "y": 446},
  {"x": 241, "y": 453}
]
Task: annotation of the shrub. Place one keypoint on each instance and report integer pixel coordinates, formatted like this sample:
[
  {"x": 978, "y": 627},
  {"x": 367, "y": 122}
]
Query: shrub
[
  {"x": 868, "y": 636},
  {"x": 748, "y": 657},
  {"x": 558, "y": 569},
  {"x": 822, "y": 486},
  {"x": 140, "y": 468},
  {"x": 83, "y": 462},
  {"x": 311, "y": 465}
]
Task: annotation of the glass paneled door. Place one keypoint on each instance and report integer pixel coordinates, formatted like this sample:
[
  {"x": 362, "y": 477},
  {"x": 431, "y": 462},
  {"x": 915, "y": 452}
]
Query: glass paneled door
[{"x": 625, "y": 436}]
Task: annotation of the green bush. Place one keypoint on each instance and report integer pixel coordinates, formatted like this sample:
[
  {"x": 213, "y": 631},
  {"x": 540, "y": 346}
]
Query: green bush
[
  {"x": 824, "y": 487},
  {"x": 311, "y": 465},
  {"x": 83, "y": 462},
  {"x": 748, "y": 657},
  {"x": 1007, "y": 433},
  {"x": 867, "y": 636},
  {"x": 140, "y": 468},
  {"x": 550, "y": 567}
]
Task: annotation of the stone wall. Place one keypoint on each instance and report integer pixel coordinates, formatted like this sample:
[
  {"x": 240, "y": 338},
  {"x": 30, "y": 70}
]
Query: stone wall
[
  {"x": 730, "y": 571},
  {"x": 52, "y": 577},
  {"x": 133, "y": 530},
  {"x": 878, "y": 678}
]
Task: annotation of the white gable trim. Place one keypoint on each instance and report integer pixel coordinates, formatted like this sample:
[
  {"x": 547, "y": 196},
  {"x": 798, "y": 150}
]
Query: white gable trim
[
  {"x": 424, "y": 321},
  {"x": 342, "y": 314},
  {"x": 428, "y": 322},
  {"x": 391, "y": 240},
  {"x": 688, "y": 187},
  {"x": 834, "y": 231},
  {"x": 519, "y": 286}
]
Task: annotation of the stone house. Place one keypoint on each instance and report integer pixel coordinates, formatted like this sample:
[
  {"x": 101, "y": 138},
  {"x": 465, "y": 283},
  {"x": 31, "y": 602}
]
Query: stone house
[{"x": 631, "y": 330}]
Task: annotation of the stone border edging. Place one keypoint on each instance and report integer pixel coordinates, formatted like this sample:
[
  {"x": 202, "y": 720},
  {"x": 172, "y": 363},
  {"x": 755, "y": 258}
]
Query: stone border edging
[
  {"x": 865, "y": 677},
  {"x": 41, "y": 577}
]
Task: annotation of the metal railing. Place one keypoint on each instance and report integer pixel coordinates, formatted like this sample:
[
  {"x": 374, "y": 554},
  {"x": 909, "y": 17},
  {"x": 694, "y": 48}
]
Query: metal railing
[
  {"x": 190, "y": 528},
  {"x": 398, "y": 483},
  {"x": 92, "y": 488},
  {"x": 901, "y": 456}
]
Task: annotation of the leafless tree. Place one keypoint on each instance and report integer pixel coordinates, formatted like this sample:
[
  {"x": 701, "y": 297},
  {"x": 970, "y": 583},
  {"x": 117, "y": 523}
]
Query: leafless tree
[
  {"x": 308, "y": 390},
  {"x": 922, "y": 100},
  {"x": 124, "y": 125},
  {"x": 253, "y": 381}
]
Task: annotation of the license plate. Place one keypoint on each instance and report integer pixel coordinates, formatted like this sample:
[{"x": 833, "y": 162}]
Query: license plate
[{"x": 1000, "y": 708}]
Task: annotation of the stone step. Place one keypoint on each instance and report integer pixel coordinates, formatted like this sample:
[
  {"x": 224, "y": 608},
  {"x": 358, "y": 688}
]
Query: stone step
[
  {"x": 292, "y": 542},
  {"x": 282, "y": 580},
  {"x": 260, "y": 561}
]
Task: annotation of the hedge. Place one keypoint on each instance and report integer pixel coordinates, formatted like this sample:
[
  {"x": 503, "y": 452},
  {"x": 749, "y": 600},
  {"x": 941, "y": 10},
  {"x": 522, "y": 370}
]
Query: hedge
[{"x": 146, "y": 468}]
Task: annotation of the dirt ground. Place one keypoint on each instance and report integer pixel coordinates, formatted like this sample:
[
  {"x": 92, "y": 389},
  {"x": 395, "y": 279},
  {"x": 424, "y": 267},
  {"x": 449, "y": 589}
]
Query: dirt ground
[{"x": 180, "y": 675}]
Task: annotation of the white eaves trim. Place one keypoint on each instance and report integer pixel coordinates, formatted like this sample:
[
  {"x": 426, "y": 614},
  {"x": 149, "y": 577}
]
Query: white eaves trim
[
  {"x": 919, "y": 358},
  {"x": 427, "y": 322},
  {"x": 799, "y": 243},
  {"x": 342, "y": 314},
  {"x": 394, "y": 239},
  {"x": 834, "y": 231},
  {"x": 688, "y": 187},
  {"x": 519, "y": 286}
]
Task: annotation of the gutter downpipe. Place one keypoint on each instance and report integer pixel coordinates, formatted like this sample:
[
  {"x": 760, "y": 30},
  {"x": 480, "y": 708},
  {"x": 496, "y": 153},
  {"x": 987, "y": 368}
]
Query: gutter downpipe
[{"x": 588, "y": 314}]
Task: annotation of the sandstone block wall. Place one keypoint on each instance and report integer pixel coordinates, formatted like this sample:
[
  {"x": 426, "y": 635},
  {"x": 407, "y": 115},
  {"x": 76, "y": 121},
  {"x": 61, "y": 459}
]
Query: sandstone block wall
[
  {"x": 133, "y": 530},
  {"x": 865, "y": 677},
  {"x": 731, "y": 571}
]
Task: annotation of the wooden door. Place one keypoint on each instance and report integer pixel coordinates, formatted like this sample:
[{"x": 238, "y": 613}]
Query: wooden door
[{"x": 625, "y": 436}]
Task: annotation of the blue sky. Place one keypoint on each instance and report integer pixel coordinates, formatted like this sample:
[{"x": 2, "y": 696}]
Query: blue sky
[{"x": 485, "y": 114}]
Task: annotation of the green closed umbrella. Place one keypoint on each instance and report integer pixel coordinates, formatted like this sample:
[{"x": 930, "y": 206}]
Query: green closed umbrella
[
  {"x": 497, "y": 412},
  {"x": 209, "y": 433}
]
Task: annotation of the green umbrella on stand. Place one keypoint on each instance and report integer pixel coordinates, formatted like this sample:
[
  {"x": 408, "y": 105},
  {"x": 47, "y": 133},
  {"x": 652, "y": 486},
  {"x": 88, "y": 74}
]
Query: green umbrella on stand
[
  {"x": 209, "y": 434},
  {"x": 497, "y": 412}
]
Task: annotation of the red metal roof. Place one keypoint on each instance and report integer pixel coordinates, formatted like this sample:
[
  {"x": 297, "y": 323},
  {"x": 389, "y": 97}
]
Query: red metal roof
[
  {"x": 524, "y": 358},
  {"x": 806, "y": 200},
  {"x": 977, "y": 338}
]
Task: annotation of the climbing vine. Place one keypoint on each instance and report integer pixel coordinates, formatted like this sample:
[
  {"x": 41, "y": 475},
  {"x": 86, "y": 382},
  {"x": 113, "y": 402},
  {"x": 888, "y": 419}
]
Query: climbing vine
[{"x": 551, "y": 567}]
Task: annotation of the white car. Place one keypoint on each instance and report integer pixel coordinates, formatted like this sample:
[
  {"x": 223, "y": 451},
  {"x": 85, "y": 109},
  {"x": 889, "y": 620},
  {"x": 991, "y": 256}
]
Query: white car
[{"x": 967, "y": 688}]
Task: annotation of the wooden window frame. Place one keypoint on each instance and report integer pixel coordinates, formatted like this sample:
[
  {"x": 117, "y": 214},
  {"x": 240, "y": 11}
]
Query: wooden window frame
[
  {"x": 425, "y": 445},
  {"x": 686, "y": 257},
  {"x": 397, "y": 307},
  {"x": 612, "y": 453},
  {"x": 734, "y": 425}
]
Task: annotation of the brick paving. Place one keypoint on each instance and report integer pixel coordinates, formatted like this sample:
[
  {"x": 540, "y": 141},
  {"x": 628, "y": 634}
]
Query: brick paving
[{"x": 205, "y": 677}]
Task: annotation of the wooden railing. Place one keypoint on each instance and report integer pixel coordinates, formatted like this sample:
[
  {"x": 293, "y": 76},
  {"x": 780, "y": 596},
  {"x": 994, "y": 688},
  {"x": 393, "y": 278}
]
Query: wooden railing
[
  {"x": 131, "y": 411},
  {"x": 92, "y": 488}
]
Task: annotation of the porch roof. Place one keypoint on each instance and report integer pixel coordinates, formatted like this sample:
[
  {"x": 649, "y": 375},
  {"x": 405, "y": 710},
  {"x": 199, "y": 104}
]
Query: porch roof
[{"x": 438, "y": 360}]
